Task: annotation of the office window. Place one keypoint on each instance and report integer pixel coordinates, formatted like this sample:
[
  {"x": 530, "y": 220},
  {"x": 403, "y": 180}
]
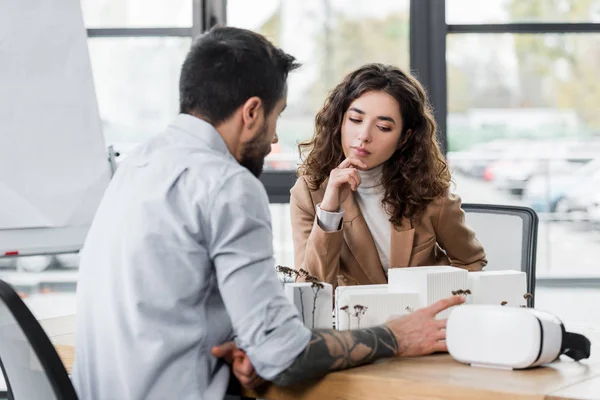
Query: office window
[
  {"x": 136, "y": 13},
  {"x": 330, "y": 39},
  {"x": 515, "y": 11},
  {"x": 523, "y": 128},
  {"x": 136, "y": 73},
  {"x": 136, "y": 82}
]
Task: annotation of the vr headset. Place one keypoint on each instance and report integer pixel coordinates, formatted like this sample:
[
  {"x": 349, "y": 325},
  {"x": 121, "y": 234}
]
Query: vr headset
[{"x": 504, "y": 337}]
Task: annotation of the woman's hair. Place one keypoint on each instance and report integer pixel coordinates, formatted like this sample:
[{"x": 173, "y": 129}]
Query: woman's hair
[{"x": 416, "y": 173}]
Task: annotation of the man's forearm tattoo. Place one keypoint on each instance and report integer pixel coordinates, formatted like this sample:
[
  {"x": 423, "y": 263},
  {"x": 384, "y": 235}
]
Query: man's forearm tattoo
[{"x": 330, "y": 350}]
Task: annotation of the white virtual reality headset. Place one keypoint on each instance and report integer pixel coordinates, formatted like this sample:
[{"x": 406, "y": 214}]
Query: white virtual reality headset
[{"x": 510, "y": 337}]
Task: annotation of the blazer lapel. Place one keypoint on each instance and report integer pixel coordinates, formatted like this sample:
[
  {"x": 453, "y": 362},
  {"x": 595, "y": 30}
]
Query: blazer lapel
[
  {"x": 402, "y": 244},
  {"x": 360, "y": 241}
]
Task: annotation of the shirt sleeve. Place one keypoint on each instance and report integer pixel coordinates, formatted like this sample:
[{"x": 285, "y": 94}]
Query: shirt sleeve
[
  {"x": 329, "y": 221},
  {"x": 266, "y": 323}
]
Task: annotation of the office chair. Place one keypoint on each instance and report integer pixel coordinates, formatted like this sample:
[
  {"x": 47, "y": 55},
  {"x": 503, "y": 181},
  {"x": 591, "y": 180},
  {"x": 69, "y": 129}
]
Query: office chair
[
  {"x": 31, "y": 366},
  {"x": 509, "y": 236}
]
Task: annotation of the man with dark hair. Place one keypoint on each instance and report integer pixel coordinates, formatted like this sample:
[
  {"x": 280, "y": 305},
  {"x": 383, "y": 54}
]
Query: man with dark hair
[
  {"x": 223, "y": 70},
  {"x": 179, "y": 257}
]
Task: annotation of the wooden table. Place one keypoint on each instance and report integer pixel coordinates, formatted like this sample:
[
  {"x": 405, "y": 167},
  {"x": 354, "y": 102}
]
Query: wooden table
[
  {"x": 422, "y": 378},
  {"x": 440, "y": 377},
  {"x": 61, "y": 331}
]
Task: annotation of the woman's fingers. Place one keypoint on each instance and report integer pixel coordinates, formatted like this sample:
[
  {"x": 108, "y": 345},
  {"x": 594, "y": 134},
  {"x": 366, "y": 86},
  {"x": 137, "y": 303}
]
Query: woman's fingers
[
  {"x": 355, "y": 178},
  {"x": 349, "y": 176},
  {"x": 357, "y": 163},
  {"x": 344, "y": 164},
  {"x": 342, "y": 179},
  {"x": 349, "y": 162},
  {"x": 353, "y": 182}
]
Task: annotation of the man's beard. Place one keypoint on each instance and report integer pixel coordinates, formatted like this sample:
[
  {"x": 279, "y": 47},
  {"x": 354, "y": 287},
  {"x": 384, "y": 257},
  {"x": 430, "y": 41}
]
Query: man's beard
[{"x": 255, "y": 151}]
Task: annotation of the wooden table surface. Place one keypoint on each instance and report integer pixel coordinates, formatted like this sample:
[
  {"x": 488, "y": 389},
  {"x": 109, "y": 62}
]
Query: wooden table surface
[
  {"x": 440, "y": 377},
  {"x": 425, "y": 378}
]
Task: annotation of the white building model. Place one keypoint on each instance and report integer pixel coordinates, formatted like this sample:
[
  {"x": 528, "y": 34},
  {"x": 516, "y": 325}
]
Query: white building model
[
  {"x": 370, "y": 305},
  {"x": 365, "y": 306},
  {"x": 431, "y": 283},
  {"x": 416, "y": 287},
  {"x": 314, "y": 302},
  {"x": 498, "y": 287}
]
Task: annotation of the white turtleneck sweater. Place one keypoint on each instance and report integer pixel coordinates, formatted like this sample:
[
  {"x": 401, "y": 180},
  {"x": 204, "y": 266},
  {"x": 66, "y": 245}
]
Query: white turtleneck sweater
[{"x": 368, "y": 197}]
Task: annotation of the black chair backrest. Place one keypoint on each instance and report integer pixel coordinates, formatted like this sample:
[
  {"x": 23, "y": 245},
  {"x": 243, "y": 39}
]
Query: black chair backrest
[{"x": 31, "y": 366}]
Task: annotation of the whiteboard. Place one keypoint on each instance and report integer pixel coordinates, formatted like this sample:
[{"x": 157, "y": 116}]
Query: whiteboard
[{"x": 53, "y": 162}]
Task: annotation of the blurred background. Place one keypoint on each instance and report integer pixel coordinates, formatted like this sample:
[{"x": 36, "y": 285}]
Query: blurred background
[{"x": 514, "y": 84}]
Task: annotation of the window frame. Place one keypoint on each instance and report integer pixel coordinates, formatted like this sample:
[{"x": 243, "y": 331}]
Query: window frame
[
  {"x": 205, "y": 14},
  {"x": 429, "y": 31},
  {"x": 428, "y": 34}
]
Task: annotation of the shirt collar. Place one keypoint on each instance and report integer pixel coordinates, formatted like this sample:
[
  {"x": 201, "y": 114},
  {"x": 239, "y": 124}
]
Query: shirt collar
[{"x": 202, "y": 131}]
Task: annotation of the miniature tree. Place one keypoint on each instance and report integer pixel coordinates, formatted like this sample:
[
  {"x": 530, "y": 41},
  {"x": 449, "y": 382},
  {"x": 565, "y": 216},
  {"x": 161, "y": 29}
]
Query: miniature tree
[
  {"x": 302, "y": 304},
  {"x": 347, "y": 311},
  {"x": 286, "y": 271},
  {"x": 527, "y": 296},
  {"x": 313, "y": 280},
  {"x": 315, "y": 286},
  {"x": 359, "y": 311},
  {"x": 460, "y": 291}
]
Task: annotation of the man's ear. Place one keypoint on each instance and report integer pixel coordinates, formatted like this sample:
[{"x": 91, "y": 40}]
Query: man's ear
[{"x": 251, "y": 112}]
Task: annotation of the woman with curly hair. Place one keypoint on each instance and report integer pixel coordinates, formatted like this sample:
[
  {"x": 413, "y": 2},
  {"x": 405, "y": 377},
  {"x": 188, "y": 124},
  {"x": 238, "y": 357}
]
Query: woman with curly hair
[{"x": 373, "y": 188}]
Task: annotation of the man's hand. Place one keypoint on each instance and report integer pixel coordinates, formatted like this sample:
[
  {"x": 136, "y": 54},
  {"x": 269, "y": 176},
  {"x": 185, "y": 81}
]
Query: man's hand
[
  {"x": 240, "y": 364},
  {"x": 410, "y": 335},
  {"x": 419, "y": 333}
]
